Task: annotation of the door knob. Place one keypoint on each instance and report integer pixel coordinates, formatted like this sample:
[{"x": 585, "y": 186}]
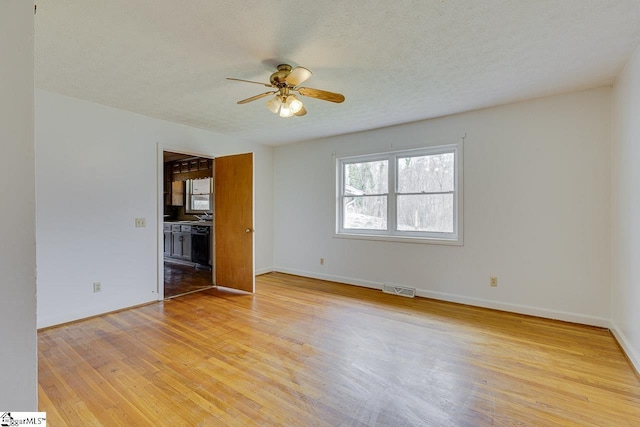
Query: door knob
[{"x": 248, "y": 230}]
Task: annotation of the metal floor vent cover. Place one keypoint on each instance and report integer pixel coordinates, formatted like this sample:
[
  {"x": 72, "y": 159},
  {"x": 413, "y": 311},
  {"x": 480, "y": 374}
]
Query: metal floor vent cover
[{"x": 403, "y": 291}]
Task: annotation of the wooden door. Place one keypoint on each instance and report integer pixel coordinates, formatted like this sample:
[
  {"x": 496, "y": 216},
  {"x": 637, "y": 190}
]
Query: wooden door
[{"x": 233, "y": 222}]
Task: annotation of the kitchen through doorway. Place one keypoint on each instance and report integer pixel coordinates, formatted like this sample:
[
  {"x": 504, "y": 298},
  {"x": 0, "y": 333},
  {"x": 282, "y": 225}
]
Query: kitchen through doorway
[{"x": 188, "y": 224}]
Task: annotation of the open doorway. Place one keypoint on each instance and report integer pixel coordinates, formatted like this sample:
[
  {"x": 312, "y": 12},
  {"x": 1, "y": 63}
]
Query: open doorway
[
  {"x": 231, "y": 222},
  {"x": 188, "y": 233}
]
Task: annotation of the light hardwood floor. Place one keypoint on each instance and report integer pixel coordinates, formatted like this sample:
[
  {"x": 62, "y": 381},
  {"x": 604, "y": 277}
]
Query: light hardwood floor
[{"x": 304, "y": 352}]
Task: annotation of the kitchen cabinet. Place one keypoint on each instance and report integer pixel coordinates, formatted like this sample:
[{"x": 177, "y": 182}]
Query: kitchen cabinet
[
  {"x": 181, "y": 242},
  {"x": 167, "y": 184},
  {"x": 177, "y": 193},
  {"x": 188, "y": 242},
  {"x": 194, "y": 168},
  {"x": 176, "y": 173},
  {"x": 167, "y": 240}
]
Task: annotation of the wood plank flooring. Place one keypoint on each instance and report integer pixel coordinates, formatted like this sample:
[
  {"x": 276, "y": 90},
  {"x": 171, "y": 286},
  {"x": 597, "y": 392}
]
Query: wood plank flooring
[
  {"x": 304, "y": 352},
  {"x": 181, "y": 279}
]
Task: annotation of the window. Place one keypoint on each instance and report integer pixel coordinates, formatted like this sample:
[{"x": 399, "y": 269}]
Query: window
[
  {"x": 409, "y": 194},
  {"x": 199, "y": 195}
]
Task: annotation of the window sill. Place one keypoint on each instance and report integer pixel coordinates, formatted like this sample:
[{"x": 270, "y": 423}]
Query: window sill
[{"x": 400, "y": 239}]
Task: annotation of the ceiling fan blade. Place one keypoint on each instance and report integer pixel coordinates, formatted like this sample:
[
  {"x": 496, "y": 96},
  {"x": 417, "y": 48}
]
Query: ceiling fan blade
[
  {"x": 321, "y": 94},
  {"x": 249, "y": 81},
  {"x": 301, "y": 112},
  {"x": 297, "y": 76},
  {"x": 253, "y": 98}
]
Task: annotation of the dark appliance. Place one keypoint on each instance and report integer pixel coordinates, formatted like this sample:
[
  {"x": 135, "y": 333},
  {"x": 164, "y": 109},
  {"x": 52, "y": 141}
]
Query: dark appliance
[{"x": 200, "y": 244}]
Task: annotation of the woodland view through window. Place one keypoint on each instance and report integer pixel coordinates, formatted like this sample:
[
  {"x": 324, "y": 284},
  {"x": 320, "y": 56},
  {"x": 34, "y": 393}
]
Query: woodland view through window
[{"x": 411, "y": 193}]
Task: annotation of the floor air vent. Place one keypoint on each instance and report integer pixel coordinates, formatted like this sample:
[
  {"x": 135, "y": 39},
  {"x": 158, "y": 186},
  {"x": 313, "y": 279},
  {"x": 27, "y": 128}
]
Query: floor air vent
[{"x": 399, "y": 290}]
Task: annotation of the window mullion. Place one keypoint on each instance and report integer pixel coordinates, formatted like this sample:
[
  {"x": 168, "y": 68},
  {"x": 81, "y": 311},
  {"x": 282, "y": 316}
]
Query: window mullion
[
  {"x": 392, "y": 189},
  {"x": 426, "y": 193},
  {"x": 366, "y": 195},
  {"x": 341, "y": 196}
]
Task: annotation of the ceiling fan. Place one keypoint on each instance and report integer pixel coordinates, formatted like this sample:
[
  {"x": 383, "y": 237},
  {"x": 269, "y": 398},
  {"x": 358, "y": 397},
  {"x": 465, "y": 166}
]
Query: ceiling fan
[{"x": 285, "y": 81}]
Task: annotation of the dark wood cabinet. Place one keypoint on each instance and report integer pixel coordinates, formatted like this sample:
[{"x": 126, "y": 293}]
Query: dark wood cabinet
[
  {"x": 177, "y": 193},
  {"x": 178, "y": 171}
]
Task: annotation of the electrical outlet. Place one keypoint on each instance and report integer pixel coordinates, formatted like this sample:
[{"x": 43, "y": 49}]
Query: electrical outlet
[
  {"x": 321, "y": 261},
  {"x": 97, "y": 287},
  {"x": 141, "y": 222},
  {"x": 493, "y": 281}
]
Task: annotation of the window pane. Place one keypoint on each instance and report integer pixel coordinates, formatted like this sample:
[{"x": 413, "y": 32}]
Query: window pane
[
  {"x": 201, "y": 186},
  {"x": 426, "y": 212},
  {"x": 426, "y": 173},
  {"x": 200, "y": 202},
  {"x": 366, "y": 178},
  {"x": 365, "y": 213}
]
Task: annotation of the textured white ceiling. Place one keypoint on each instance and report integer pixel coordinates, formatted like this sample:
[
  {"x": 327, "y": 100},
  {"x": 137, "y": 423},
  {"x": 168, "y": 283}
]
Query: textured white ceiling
[{"x": 395, "y": 61}]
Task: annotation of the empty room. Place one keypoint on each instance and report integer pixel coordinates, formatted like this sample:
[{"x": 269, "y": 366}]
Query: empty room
[{"x": 420, "y": 213}]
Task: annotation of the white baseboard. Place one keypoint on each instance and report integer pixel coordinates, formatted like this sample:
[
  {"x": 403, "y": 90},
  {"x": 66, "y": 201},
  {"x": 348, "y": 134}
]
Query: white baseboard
[
  {"x": 461, "y": 299},
  {"x": 629, "y": 350},
  {"x": 264, "y": 270},
  {"x": 85, "y": 312},
  {"x": 518, "y": 308},
  {"x": 330, "y": 278}
]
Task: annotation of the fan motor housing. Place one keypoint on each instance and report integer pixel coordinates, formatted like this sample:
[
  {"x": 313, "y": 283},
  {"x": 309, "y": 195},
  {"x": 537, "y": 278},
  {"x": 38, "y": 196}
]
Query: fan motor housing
[{"x": 278, "y": 78}]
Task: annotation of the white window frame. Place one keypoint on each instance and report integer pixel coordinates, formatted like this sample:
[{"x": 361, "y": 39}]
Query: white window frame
[
  {"x": 392, "y": 233},
  {"x": 189, "y": 197}
]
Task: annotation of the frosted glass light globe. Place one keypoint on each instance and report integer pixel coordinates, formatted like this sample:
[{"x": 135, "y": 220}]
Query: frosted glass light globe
[
  {"x": 294, "y": 103},
  {"x": 274, "y": 104},
  {"x": 285, "y": 111}
]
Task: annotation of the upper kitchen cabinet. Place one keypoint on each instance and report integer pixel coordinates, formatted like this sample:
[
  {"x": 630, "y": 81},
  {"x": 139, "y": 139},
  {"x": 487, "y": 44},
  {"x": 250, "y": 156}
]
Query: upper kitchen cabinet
[
  {"x": 193, "y": 168},
  {"x": 177, "y": 193},
  {"x": 178, "y": 171}
]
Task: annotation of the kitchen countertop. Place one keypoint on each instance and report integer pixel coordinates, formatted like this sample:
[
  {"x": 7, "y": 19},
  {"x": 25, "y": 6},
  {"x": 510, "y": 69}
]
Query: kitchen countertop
[{"x": 206, "y": 223}]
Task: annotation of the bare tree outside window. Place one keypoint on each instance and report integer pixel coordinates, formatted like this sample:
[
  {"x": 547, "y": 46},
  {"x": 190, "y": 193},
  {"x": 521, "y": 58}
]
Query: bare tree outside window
[
  {"x": 366, "y": 186},
  {"x": 425, "y": 193}
]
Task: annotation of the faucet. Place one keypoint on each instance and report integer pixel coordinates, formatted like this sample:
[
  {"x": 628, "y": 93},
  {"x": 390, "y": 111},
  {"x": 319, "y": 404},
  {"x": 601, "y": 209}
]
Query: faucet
[{"x": 205, "y": 217}]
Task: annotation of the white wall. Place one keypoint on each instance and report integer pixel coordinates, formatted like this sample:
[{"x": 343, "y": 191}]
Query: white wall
[
  {"x": 97, "y": 170},
  {"x": 625, "y": 209},
  {"x": 536, "y": 210},
  {"x": 18, "y": 356}
]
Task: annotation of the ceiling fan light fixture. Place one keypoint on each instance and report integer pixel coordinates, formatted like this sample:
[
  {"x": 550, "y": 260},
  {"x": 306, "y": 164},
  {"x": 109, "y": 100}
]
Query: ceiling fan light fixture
[
  {"x": 285, "y": 110},
  {"x": 274, "y": 104},
  {"x": 294, "y": 103},
  {"x": 285, "y": 81}
]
